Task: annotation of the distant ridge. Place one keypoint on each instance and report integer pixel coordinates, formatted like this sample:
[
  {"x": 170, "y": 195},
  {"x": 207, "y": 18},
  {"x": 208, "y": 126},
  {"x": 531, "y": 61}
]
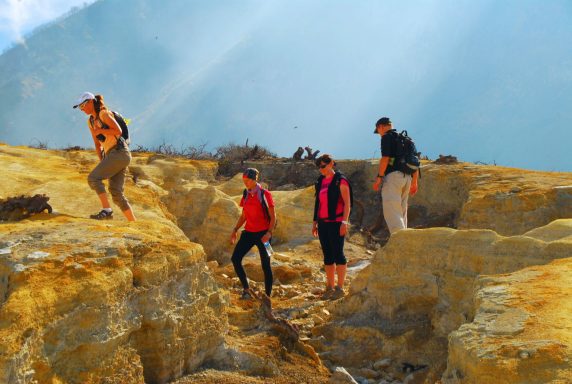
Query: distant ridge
[{"x": 466, "y": 79}]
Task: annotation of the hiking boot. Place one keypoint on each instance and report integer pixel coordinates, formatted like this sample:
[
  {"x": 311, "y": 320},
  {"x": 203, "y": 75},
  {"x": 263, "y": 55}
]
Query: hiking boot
[
  {"x": 327, "y": 295},
  {"x": 338, "y": 294},
  {"x": 246, "y": 295},
  {"x": 102, "y": 215}
]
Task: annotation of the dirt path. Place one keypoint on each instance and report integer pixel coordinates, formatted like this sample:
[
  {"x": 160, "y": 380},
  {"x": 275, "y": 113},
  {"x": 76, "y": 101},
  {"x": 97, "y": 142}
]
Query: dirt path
[{"x": 261, "y": 350}]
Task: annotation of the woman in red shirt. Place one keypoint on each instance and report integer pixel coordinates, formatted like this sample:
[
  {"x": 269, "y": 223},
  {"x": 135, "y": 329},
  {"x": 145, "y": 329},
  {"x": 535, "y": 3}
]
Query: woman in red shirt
[
  {"x": 331, "y": 220},
  {"x": 259, "y": 215}
]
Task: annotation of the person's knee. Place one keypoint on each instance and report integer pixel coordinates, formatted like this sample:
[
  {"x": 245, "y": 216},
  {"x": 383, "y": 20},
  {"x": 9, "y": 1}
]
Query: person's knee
[
  {"x": 341, "y": 260},
  {"x": 120, "y": 200},
  {"x": 236, "y": 259},
  {"x": 95, "y": 182}
]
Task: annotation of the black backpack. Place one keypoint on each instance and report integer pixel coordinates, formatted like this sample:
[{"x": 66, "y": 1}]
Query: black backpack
[
  {"x": 123, "y": 124},
  {"x": 120, "y": 120},
  {"x": 264, "y": 203},
  {"x": 406, "y": 155}
]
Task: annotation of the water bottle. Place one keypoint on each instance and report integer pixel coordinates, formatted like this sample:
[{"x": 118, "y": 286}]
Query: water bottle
[{"x": 269, "y": 249}]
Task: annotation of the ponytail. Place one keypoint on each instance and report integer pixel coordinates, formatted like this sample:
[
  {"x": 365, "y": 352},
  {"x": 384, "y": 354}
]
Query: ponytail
[{"x": 98, "y": 104}]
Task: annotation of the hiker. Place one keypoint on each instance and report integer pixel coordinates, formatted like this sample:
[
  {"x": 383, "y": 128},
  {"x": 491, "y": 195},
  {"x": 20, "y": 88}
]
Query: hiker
[
  {"x": 396, "y": 186},
  {"x": 331, "y": 221},
  {"x": 259, "y": 215},
  {"x": 113, "y": 153}
]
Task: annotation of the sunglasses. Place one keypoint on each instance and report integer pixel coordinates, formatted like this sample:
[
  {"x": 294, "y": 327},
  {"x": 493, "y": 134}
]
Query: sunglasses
[
  {"x": 83, "y": 104},
  {"x": 322, "y": 166}
]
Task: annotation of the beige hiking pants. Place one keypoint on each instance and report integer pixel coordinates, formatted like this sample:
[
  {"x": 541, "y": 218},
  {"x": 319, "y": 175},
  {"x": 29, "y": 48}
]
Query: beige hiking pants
[
  {"x": 395, "y": 193},
  {"x": 112, "y": 167}
]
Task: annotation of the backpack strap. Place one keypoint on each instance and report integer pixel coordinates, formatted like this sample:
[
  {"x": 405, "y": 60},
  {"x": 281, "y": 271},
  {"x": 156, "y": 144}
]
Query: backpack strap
[
  {"x": 317, "y": 187},
  {"x": 261, "y": 198},
  {"x": 264, "y": 203},
  {"x": 338, "y": 177}
]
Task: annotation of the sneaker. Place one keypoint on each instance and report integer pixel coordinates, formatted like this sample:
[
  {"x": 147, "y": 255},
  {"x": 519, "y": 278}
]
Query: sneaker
[
  {"x": 246, "y": 295},
  {"x": 102, "y": 215},
  {"x": 327, "y": 295},
  {"x": 338, "y": 294}
]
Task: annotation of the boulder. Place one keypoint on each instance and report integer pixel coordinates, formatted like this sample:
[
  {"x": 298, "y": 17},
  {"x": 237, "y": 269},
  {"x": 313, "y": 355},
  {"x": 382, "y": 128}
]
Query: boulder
[{"x": 521, "y": 332}]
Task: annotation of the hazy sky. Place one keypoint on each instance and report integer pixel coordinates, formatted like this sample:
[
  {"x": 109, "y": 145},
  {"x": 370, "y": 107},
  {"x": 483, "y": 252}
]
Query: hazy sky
[
  {"x": 486, "y": 80},
  {"x": 19, "y": 17}
]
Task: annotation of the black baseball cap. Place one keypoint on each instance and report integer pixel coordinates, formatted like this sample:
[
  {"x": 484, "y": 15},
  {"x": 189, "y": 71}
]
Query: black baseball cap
[{"x": 382, "y": 121}]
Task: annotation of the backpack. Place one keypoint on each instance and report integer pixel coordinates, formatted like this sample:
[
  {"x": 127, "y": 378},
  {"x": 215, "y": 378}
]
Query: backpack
[
  {"x": 338, "y": 177},
  {"x": 120, "y": 121},
  {"x": 123, "y": 124},
  {"x": 406, "y": 155},
  {"x": 263, "y": 202}
]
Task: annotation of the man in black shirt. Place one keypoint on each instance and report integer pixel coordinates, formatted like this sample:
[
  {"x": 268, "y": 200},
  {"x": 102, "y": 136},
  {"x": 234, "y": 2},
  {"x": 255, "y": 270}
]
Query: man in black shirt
[{"x": 396, "y": 186}]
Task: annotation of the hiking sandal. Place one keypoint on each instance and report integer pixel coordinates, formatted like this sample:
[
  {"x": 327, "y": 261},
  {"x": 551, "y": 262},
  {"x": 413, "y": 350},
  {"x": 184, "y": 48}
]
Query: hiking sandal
[
  {"x": 246, "y": 295},
  {"x": 102, "y": 215}
]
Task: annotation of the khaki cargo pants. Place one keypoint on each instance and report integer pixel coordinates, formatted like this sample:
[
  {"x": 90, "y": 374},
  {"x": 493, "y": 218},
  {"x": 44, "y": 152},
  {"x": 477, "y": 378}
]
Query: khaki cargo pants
[
  {"x": 394, "y": 194},
  {"x": 112, "y": 167}
]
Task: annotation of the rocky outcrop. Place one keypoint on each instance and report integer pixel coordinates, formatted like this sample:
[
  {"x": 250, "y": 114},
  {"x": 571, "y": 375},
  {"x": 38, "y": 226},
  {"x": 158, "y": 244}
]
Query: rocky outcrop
[
  {"x": 419, "y": 289},
  {"x": 88, "y": 301},
  {"x": 206, "y": 215},
  {"x": 521, "y": 332},
  {"x": 83, "y": 301},
  {"x": 169, "y": 171}
]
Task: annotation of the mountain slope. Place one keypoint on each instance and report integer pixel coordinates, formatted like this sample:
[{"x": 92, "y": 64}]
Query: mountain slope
[{"x": 471, "y": 79}]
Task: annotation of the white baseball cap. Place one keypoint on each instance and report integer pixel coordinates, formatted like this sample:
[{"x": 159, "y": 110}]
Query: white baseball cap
[{"x": 84, "y": 97}]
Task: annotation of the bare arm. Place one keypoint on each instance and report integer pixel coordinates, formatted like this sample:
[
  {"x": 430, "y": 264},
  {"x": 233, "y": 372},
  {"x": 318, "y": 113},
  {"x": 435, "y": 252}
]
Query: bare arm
[
  {"x": 238, "y": 225},
  {"x": 113, "y": 128},
  {"x": 96, "y": 142},
  {"x": 345, "y": 190},
  {"x": 268, "y": 234},
  {"x": 240, "y": 222},
  {"x": 383, "y": 162},
  {"x": 414, "y": 187}
]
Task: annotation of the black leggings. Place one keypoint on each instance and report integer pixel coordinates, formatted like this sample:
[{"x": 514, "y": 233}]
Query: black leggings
[
  {"x": 245, "y": 243},
  {"x": 332, "y": 243}
]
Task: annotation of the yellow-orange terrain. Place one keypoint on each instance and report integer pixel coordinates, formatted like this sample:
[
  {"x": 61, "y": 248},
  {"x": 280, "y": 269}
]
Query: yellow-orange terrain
[{"x": 85, "y": 301}]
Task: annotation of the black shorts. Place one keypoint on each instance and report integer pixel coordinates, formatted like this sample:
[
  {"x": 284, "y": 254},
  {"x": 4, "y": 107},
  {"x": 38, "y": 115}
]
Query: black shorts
[{"x": 332, "y": 243}]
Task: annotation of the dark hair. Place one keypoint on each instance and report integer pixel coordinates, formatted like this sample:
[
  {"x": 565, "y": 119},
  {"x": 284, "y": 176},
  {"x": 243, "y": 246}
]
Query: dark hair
[
  {"x": 98, "y": 104},
  {"x": 325, "y": 158},
  {"x": 251, "y": 173}
]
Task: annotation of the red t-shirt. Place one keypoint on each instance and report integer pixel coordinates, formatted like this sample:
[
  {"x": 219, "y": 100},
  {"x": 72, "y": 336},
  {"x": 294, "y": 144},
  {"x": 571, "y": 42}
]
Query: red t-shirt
[
  {"x": 323, "y": 200},
  {"x": 255, "y": 218}
]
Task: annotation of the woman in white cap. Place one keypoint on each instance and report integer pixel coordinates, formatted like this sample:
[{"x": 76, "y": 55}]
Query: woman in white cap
[{"x": 113, "y": 154}]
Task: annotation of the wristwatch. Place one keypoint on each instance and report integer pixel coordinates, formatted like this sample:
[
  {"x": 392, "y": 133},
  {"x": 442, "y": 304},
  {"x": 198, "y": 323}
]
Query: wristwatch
[{"x": 380, "y": 176}]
